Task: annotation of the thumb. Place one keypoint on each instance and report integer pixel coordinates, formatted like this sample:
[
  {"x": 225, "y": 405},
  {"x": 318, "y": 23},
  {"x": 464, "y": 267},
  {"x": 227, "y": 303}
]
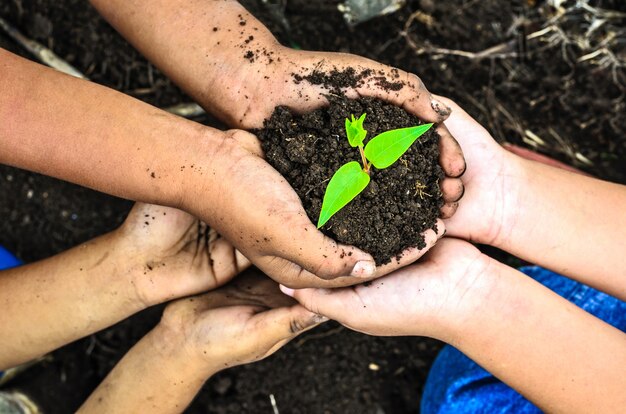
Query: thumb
[
  {"x": 460, "y": 123},
  {"x": 343, "y": 305},
  {"x": 283, "y": 324},
  {"x": 291, "y": 274},
  {"x": 318, "y": 255}
]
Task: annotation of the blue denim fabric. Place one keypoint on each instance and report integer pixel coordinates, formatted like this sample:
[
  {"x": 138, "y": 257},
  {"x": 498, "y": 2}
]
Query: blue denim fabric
[
  {"x": 456, "y": 384},
  {"x": 7, "y": 260}
]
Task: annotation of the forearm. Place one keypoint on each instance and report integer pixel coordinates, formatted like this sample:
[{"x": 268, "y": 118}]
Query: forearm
[
  {"x": 555, "y": 354},
  {"x": 569, "y": 223},
  {"x": 93, "y": 136},
  {"x": 55, "y": 301},
  {"x": 155, "y": 376},
  {"x": 209, "y": 48}
]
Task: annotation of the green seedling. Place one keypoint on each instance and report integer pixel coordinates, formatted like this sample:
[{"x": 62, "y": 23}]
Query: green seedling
[{"x": 381, "y": 151}]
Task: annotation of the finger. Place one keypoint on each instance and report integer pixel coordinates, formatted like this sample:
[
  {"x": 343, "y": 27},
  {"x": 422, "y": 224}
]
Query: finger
[
  {"x": 284, "y": 342},
  {"x": 402, "y": 89},
  {"x": 450, "y": 153},
  {"x": 300, "y": 242},
  {"x": 282, "y": 324},
  {"x": 304, "y": 279},
  {"x": 336, "y": 304},
  {"x": 413, "y": 97},
  {"x": 448, "y": 209},
  {"x": 461, "y": 124},
  {"x": 246, "y": 140},
  {"x": 452, "y": 189},
  {"x": 411, "y": 255}
]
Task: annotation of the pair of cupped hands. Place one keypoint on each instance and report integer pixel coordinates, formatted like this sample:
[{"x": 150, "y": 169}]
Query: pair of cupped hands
[{"x": 263, "y": 223}]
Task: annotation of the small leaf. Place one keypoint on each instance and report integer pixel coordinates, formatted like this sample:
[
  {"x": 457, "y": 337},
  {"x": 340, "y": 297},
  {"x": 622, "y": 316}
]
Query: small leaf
[
  {"x": 355, "y": 132},
  {"x": 385, "y": 149},
  {"x": 347, "y": 182}
]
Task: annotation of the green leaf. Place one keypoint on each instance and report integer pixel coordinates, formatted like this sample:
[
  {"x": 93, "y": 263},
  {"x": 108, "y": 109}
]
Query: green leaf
[
  {"x": 355, "y": 132},
  {"x": 385, "y": 149},
  {"x": 347, "y": 182}
]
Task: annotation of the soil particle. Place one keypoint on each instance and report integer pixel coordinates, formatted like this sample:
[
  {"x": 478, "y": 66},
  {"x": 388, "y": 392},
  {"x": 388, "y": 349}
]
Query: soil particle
[
  {"x": 337, "y": 80},
  {"x": 334, "y": 80},
  {"x": 250, "y": 56},
  {"x": 400, "y": 202}
]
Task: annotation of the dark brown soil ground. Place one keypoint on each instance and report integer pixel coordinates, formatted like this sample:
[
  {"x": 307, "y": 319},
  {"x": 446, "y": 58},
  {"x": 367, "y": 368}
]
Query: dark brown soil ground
[
  {"x": 399, "y": 203},
  {"x": 575, "y": 107}
]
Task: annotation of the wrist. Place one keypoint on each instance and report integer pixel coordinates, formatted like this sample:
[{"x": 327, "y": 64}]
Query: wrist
[
  {"x": 507, "y": 208},
  {"x": 478, "y": 286},
  {"x": 176, "y": 340},
  {"x": 245, "y": 81},
  {"x": 129, "y": 266},
  {"x": 207, "y": 181},
  {"x": 171, "y": 345},
  {"x": 514, "y": 181}
]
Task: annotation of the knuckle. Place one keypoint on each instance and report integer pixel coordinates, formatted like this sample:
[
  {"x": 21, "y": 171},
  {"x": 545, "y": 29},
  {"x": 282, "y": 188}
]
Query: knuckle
[
  {"x": 414, "y": 82},
  {"x": 328, "y": 269}
]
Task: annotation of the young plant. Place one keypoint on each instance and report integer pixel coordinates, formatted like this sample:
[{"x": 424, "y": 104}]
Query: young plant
[{"x": 381, "y": 151}]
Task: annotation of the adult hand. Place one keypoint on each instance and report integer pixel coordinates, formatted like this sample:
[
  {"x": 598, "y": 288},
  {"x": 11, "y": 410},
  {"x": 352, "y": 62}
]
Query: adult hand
[
  {"x": 236, "y": 70},
  {"x": 296, "y": 79},
  {"x": 430, "y": 299},
  {"x": 251, "y": 204}
]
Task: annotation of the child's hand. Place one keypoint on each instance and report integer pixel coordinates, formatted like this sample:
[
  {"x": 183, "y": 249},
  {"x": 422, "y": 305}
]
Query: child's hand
[
  {"x": 430, "y": 299},
  {"x": 491, "y": 199},
  {"x": 252, "y": 205},
  {"x": 158, "y": 254},
  {"x": 175, "y": 255},
  {"x": 243, "y": 322}
]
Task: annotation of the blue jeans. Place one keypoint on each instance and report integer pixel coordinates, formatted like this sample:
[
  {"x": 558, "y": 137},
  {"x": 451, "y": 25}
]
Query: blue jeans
[{"x": 456, "y": 384}]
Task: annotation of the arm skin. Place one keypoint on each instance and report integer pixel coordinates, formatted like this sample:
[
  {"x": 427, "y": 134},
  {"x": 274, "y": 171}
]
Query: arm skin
[
  {"x": 179, "y": 37},
  {"x": 201, "y": 44},
  {"x": 84, "y": 133},
  {"x": 571, "y": 224},
  {"x": 55, "y": 301},
  {"x": 566, "y": 222},
  {"x": 93, "y": 136},
  {"x": 243, "y": 322},
  {"x": 555, "y": 354}
]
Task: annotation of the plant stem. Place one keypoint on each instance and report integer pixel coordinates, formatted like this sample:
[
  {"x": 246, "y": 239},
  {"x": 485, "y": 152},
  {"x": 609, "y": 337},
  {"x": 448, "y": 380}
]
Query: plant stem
[{"x": 366, "y": 165}]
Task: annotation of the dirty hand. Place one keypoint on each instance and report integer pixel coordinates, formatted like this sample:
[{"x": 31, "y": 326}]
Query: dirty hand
[
  {"x": 242, "y": 322},
  {"x": 427, "y": 299},
  {"x": 173, "y": 254},
  {"x": 252, "y": 205},
  {"x": 491, "y": 197},
  {"x": 158, "y": 254},
  {"x": 264, "y": 85}
]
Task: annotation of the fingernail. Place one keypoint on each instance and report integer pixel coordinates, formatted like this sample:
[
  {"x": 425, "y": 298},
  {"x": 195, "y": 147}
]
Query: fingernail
[
  {"x": 440, "y": 108},
  {"x": 287, "y": 291},
  {"x": 364, "y": 269}
]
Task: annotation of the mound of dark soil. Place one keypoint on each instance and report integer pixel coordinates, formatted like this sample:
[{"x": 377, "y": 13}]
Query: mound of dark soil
[{"x": 401, "y": 201}]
